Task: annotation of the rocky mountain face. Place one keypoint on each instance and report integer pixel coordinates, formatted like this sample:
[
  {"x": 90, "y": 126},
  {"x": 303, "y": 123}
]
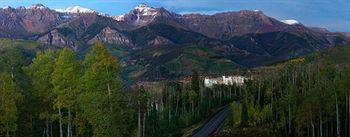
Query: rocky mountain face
[
  {"x": 156, "y": 40},
  {"x": 22, "y": 22},
  {"x": 68, "y": 26},
  {"x": 229, "y": 24},
  {"x": 110, "y": 35}
]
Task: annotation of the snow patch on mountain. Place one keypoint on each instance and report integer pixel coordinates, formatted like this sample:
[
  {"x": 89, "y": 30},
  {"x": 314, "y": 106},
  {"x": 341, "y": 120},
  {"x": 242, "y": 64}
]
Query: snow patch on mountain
[
  {"x": 104, "y": 14},
  {"x": 290, "y": 22},
  {"x": 76, "y": 9},
  {"x": 119, "y": 18}
]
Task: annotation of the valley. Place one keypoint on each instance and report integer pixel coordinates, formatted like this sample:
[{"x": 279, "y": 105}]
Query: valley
[
  {"x": 155, "y": 40},
  {"x": 154, "y": 72}
]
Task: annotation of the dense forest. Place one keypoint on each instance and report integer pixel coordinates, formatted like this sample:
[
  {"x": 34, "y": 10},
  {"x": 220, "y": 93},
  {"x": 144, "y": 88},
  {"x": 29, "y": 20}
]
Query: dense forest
[
  {"x": 168, "y": 108},
  {"x": 57, "y": 93},
  {"x": 302, "y": 97}
]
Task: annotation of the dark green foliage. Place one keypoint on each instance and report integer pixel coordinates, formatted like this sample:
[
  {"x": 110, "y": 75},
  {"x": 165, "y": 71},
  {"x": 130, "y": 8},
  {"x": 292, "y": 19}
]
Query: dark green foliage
[
  {"x": 56, "y": 89},
  {"x": 195, "y": 81},
  {"x": 174, "y": 34},
  {"x": 66, "y": 31},
  {"x": 92, "y": 30},
  {"x": 175, "y": 106},
  {"x": 41, "y": 93},
  {"x": 281, "y": 44},
  {"x": 102, "y": 101},
  {"x": 168, "y": 62},
  {"x": 12, "y": 86},
  {"x": 302, "y": 97},
  {"x": 10, "y": 100},
  {"x": 57, "y": 98},
  {"x": 244, "y": 115}
]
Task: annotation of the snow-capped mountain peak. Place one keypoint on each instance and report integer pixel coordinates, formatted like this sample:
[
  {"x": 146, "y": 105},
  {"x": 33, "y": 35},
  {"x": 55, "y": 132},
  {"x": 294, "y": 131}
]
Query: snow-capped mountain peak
[
  {"x": 6, "y": 7},
  {"x": 290, "y": 22},
  {"x": 144, "y": 10},
  {"x": 76, "y": 9},
  {"x": 140, "y": 14},
  {"x": 37, "y": 6}
]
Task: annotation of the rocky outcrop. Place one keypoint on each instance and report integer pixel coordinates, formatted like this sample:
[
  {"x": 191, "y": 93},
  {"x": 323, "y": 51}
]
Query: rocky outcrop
[
  {"x": 22, "y": 22},
  {"x": 111, "y": 36},
  {"x": 57, "y": 39},
  {"x": 159, "y": 40}
]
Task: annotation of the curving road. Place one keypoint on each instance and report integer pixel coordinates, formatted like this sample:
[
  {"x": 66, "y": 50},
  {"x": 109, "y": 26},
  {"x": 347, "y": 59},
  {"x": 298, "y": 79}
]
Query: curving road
[{"x": 214, "y": 123}]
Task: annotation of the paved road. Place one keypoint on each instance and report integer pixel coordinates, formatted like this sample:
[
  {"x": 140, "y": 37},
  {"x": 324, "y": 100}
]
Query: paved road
[{"x": 214, "y": 123}]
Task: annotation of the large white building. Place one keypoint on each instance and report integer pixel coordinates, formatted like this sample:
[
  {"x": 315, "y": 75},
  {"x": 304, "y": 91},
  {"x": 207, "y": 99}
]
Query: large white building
[{"x": 225, "y": 80}]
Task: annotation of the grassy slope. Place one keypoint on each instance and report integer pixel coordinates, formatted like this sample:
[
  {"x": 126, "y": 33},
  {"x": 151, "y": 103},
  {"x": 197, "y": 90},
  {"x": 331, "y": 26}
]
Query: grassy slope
[
  {"x": 201, "y": 58},
  {"x": 27, "y": 47},
  {"x": 24, "y": 44}
]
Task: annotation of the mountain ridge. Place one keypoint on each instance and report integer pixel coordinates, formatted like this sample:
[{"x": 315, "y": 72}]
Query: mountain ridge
[{"x": 155, "y": 41}]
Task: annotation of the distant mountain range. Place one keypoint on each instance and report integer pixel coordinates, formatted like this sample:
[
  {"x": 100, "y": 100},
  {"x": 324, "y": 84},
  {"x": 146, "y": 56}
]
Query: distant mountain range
[{"x": 156, "y": 43}]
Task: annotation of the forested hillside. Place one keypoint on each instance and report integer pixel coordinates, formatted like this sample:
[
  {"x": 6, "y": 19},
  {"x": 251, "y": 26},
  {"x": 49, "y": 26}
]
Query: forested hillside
[
  {"x": 306, "y": 96},
  {"x": 51, "y": 92}
]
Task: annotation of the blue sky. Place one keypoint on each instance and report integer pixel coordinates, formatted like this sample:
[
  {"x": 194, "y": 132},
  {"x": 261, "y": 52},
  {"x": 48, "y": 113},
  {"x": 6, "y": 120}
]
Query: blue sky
[{"x": 331, "y": 14}]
